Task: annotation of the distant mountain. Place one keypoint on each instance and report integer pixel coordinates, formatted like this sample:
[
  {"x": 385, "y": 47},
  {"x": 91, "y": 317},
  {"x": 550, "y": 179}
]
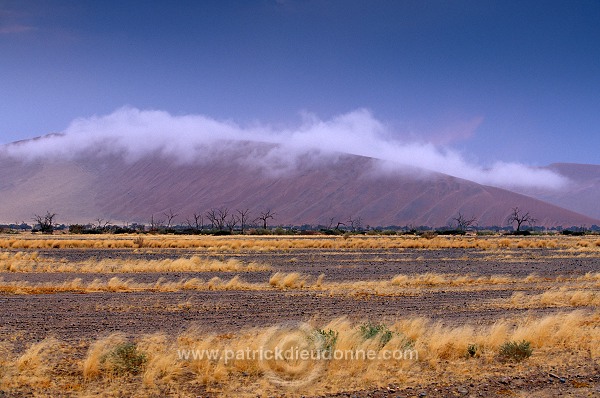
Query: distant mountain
[
  {"x": 110, "y": 187},
  {"x": 581, "y": 195}
]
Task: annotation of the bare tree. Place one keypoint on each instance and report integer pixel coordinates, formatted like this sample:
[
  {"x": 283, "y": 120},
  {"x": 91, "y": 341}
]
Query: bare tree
[
  {"x": 155, "y": 224},
  {"x": 212, "y": 217},
  {"x": 45, "y": 222},
  {"x": 265, "y": 216},
  {"x": 330, "y": 225},
  {"x": 463, "y": 223},
  {"x": 520, "y": 217},
  {"x": 243, "y": 216},
  {"x": 197, "y": 223},
  {"x": 355, "y": 223},
  {"x": 170, "y": 216},
  {"x": 231, "y": 222},
  {"x": 217, "y": 217},
  {"x": 101, "y": 223},
  {"x": 222, "y": 214}
]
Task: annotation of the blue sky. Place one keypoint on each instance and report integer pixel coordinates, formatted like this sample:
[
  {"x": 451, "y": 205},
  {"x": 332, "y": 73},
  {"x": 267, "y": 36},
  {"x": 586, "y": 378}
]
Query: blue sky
[{"x": 493, "y": 80}]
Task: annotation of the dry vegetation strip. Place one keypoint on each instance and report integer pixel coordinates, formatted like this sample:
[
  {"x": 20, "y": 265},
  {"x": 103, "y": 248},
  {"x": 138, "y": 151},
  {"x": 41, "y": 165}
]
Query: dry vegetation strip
[
  {"x": 561, "y": 297},
  {"x": 398, "y": 285},
  {"x": 157, "y": 364},
  {"x": 232, "y": 243},
  {"x": 298, "y": 280},
  {"x": 32, "y": 262},
  {"x": 116, "y": 284}
]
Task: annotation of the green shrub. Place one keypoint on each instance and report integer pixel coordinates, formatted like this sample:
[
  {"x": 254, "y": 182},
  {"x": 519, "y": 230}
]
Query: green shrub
[
  {"x": 259, "y": 231},
  {"x": 327, "y": 339},
  {"x": 279, "y": 231},
  {"x": 76, "y": 228},
  {"x": 370, "y": 331},
  {"x": 124, "y": 359},
  {"x": 472, "y": 350},
  {"x": 515, "y": 350}
]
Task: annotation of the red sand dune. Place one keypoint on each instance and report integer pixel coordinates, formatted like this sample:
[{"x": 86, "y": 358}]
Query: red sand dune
[
  {"x": 108, "y": 187},
  {"x": 582, "y": 195}
]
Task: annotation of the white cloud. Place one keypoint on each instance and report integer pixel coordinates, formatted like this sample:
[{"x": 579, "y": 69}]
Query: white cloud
[{"x": 135, "y": 133}]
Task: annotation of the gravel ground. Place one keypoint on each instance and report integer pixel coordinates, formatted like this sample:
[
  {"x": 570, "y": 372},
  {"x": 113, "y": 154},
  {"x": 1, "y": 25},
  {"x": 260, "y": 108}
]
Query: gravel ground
[{"x": 76, "y": 316}]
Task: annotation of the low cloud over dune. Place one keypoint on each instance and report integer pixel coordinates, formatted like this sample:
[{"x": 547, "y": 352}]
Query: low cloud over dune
[{"x": 195, "y": 138}]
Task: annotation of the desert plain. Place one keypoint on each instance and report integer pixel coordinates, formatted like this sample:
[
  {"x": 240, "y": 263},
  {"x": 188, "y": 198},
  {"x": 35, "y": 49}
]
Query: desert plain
[{"x": 474, "y": 316}]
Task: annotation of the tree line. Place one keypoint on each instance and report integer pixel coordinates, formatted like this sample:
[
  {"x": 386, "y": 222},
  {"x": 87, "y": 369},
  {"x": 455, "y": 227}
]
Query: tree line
[{"x": 224, "y": 220}]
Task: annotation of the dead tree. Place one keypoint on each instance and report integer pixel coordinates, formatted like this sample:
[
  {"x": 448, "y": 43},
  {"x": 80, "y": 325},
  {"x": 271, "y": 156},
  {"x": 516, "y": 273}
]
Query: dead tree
[
  {"x": 265, "y": 216},
  {"x": 243, "y": 216},
  {"x": 222, "y": 214},
  {"x": 170, "y": 216},
  {"x": 330, "y": 225},
  {"x": 355, "y": 224},
  {"x": 217, "y": 217},
  {"x": 197, "y": 223},
  {"x": 212, "y": 217},
  {"x": 231, "y": 222},
  {"x": 463, "y": 223},
  {"x": 155, "y": 224},
  {"x": 520, "y": 217},
  {"x": 101, "y": 224},
  {"x": 45, "y": 222}
]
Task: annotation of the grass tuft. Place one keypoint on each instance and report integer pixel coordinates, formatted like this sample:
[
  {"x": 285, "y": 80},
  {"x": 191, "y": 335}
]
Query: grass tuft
[
  {"x": 472, "y": 351},
  {"x": 124, "y": 359},
  {"x": 292, "y": 280},
  {"x": 327, "y": 339},
  {"x": 369, "y": 331},
  {"x": 515, "y": 351}
]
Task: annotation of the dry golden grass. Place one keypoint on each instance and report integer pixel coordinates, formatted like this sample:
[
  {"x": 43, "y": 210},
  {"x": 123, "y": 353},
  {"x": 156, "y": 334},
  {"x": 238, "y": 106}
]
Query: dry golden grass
[
  {"x": 269, "y": 242},
  {"x": 116, "y": 284},
  {"x": 92, "y": 366},
  {"x": 292, "y": 280},
  {"x": 398, "y": 285},
  {"x": 16, "y": 261},
  {"x": 434, "y": 342},
  {"x": 435, "y": 279},
  {"x": 431, "y": 350},
  {"x": 416, "y": 283},
  {"x": 561, "y": 297},
  {"x": 37, "y": 367},
  {"x": 163, "y": 367},
  {"x": 32, "y": 262}
]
